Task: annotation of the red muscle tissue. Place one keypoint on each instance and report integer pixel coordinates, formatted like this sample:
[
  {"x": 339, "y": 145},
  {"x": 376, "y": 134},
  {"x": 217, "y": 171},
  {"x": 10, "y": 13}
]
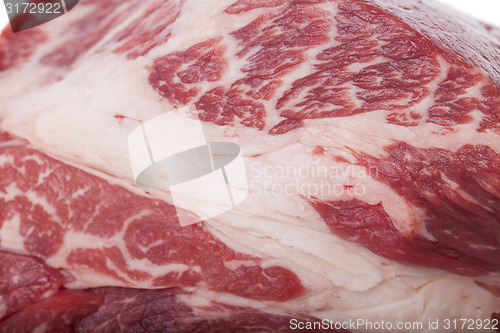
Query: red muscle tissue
[{"x": 370, "y": 133}]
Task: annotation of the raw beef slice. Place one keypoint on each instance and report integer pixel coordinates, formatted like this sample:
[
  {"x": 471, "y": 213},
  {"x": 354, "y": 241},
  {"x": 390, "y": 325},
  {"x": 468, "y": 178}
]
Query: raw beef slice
[{"x": 370, "y": 132}]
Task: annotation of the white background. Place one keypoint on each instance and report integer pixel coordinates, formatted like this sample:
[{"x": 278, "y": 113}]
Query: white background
[{"x": 487, "y": 10}]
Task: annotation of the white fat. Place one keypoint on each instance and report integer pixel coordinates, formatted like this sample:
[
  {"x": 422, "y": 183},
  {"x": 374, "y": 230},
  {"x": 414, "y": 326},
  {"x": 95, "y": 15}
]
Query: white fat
[
  {"x": 3, "y": 307},
  {"x": 10, "y": 236},
  {"x": 322, "y": 261},
  {"x": 74, "y": 120},
  {"x": 41, "y": 328}
]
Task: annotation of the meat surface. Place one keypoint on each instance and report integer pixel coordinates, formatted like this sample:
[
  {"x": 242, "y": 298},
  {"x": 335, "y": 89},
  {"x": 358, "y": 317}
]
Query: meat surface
[{"x": 370, "y": 132}]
